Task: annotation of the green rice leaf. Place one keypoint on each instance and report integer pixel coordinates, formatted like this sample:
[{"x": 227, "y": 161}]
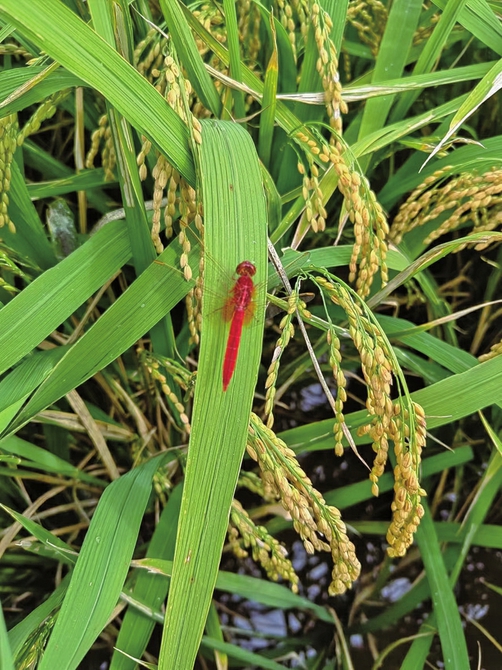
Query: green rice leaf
[
  {"x": 490, "y": 85},
  {"x": 189, "y": 55},
  {"x": 22, "y": 87},
  {"x": 479, "y": 19},
  {"x": 235, "y": 230},
  {"x": 235, "y": 55},
  {"x": 43, "y": 305},
  {"x": 101, "y": 567},
  {"x": 391, "y": 59},
  {"x": 267, "y": 117},
  {"x": 6, "y": 658},
  {"x": 149, "y": 588}
]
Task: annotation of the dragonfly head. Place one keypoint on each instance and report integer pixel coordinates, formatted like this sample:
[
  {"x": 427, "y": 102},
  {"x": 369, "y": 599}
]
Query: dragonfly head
[{"x": 246, "y": 269}]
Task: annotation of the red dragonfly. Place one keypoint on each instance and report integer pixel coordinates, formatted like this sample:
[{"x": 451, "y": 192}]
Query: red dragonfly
[{"x": 239, "y": 309}]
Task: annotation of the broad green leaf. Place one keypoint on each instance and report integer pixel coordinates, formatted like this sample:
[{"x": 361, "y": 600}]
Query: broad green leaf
[
  {"x": 287, "y": 61},
  {"x": 214, "y": 632},
  {"x": 86, "y": 180},
  {"x": 432, "y": 51},
  {"x": 391, "y": 59},
  {"x": 479, "y": 19},
  {"x": 415, "y": 82},
  {"x": 268, "y": 104},
  {"x": 38, "y": 159},
  {"x": 427, "y": 259},
  {"x": 233, "y": 42},
  {"x": 41, "y": 459},
  {"x": 27, "y": 632},
  {"x": 250, "y": 588},
  {"x": 58, "y": 548},
  {"x": 447, "y": 616},
  {"x": 30, "y": 239},
  {"x": 29, "y": 374},
  {"x": 383, "y": 137},
  {"x": 241, "y": 655},
  {"x": 235, "y": 230},
  {"x": 337, "y": 9}
]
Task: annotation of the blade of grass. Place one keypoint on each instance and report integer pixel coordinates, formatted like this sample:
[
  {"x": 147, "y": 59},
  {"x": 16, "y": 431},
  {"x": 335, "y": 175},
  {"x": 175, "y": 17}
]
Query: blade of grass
[
  {"x": 101, "y": 567},
  {"x": 86, "y": 180},
  {"x": 241, "y": 655},
  {"x": 61, "y": 550},
  {"x": 21, "y": 636},
  {"x": 418, "y": 593},
  {"x": 117, "y": 31},
  {"x": 479, "y": 19},
  {"x": 140, "y": 240},
  {"x": 51, "y": 298},
  {"x": 426, "y": 260},
  {"x": 234, "y": 54},
  {"x": 23, "y": 87},
  {"x": 52, "y": 168},
  {"x": 445, "y": 605},
  {"x": 42, "y": 459},
  {"x": 338, "y": 11},
  {"x": 149, "y": 588},
  {"x": 249, "y": 588},
  {"x": 416, "y": 82},
  {"x": 214, "y": 632},
  {"x": 269, "y": 103},
  {"x": 6, "y": 658},
  {"x": 485, "y": 89},
  {"x": 487, "y": 488},
  {"x": 286, "y": 58},
  {"x": 29, "y": 239},
  {"x": 235, "y": 229},
  {"x": 431, "y": 52},
  {"x": 446, "y": 615},
  {"x": 29, "y": 374},
  {"x": 396, "y": 42},
  {"x": 384, "y": 136},
  {"x": 189, "y": 55}
]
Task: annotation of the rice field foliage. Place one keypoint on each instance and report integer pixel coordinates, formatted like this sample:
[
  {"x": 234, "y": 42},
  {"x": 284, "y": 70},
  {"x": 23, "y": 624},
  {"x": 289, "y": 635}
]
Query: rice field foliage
[{"x": 345, "y": 148}]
